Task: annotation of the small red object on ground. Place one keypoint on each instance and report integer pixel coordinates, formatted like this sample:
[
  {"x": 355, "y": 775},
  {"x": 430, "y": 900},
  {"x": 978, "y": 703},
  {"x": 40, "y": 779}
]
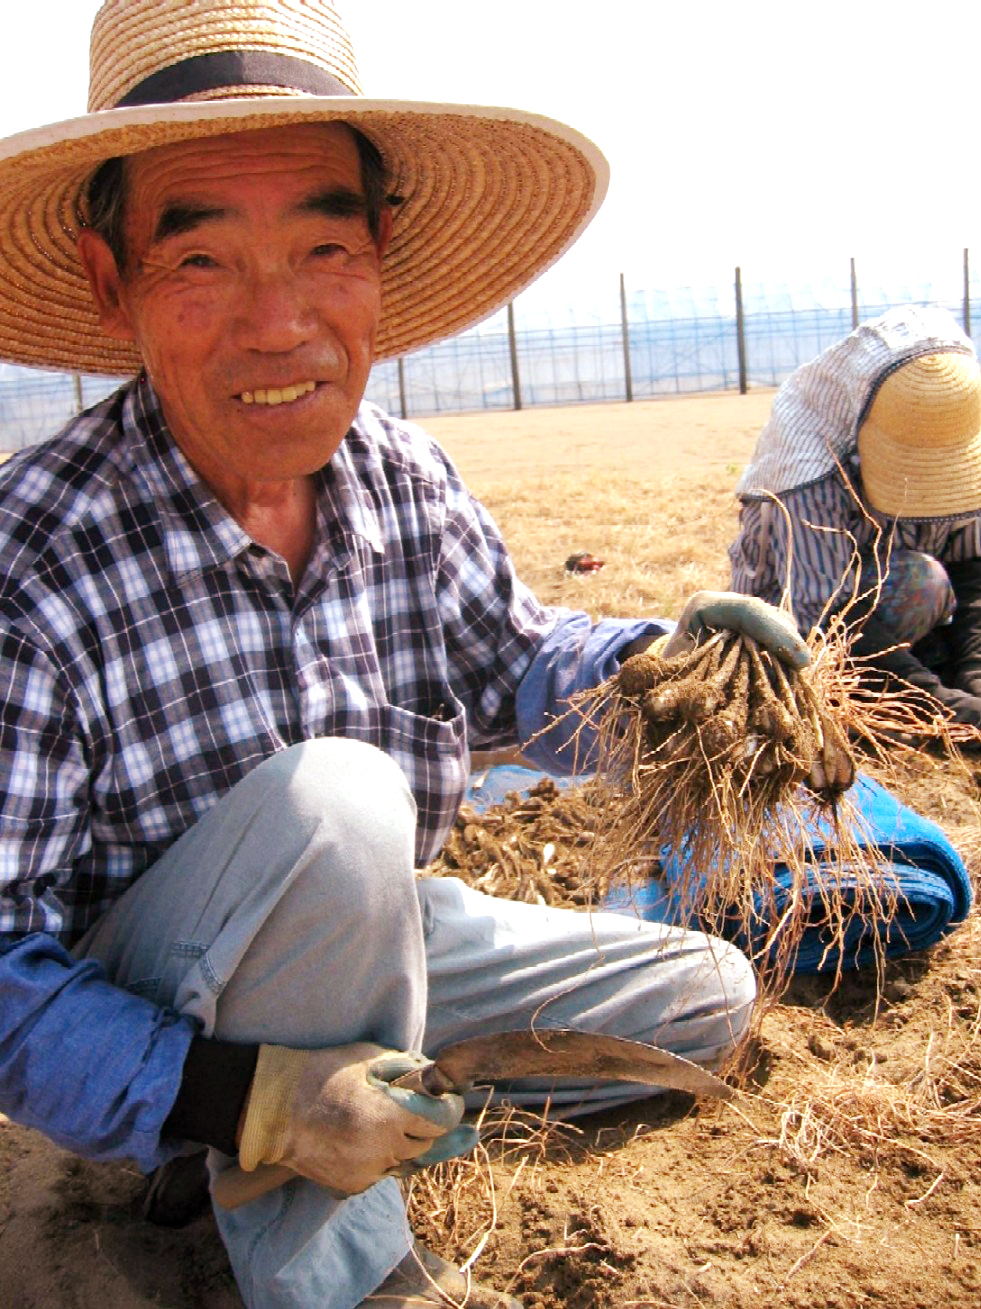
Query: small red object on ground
[{"x": 583, "y": 562}]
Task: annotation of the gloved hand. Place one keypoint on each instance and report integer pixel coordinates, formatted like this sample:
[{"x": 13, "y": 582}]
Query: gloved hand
[
  {"x": 332, "y": 1115},
  {"x": 970, "y": 683},
  {"x": 770, "y": 627}
]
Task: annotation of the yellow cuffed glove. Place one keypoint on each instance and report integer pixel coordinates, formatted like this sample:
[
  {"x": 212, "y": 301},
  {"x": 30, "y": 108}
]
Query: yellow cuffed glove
[{"x": 333, "y": 1116}]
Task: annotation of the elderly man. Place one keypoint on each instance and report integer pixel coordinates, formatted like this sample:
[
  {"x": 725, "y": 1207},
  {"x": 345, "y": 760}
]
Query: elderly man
[
  {"x": 863, "y": 498},
  {"x": 251, "y": 629}
]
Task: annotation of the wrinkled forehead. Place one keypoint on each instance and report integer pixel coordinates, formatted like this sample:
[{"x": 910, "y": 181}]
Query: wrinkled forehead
[{"x": 327, "y": 150}]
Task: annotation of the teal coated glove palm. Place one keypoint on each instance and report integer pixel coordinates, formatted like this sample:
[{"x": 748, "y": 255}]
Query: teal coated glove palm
[
  {"x": 333, "y": 1116},
  {"x": 770, "y": 627}
]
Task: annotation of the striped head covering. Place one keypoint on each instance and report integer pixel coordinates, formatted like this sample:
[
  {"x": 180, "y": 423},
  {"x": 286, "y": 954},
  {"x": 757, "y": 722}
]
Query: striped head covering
[{"x": 819, "y": 410}]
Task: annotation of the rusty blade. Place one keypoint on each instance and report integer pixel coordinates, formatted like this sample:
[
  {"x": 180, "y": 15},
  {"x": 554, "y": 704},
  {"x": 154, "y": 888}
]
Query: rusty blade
[
  {"x": 561, "y": 1053},
  {"x": 506, "y": 1057}
]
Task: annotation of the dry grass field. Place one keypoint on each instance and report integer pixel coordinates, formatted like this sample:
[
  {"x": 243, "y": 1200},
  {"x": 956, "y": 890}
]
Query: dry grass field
[{"x": 849, "y": 1174}]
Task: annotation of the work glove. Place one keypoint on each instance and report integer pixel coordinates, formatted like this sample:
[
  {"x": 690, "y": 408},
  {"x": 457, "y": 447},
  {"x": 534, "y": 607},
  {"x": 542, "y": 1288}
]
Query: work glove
[
  {"x": 334, "y": 1116},
  {"x": 964, "y": 633},
  {"x": 770, "y": 628}
]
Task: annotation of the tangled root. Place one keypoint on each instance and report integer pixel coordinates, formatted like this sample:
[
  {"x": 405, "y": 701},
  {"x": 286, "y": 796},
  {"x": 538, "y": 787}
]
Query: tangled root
[
  {"x": 722, "y": 760},
  {"x": 736, "y": 707}
]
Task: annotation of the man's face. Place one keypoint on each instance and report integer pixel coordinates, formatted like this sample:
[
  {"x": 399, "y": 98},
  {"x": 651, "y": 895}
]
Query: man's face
[{"x": 252, "y": 290}]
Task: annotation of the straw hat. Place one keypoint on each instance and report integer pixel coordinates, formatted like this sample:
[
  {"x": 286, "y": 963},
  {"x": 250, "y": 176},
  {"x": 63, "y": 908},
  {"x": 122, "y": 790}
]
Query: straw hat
[
  {"x": 813, "y": 425},
  {"x": 492, "y": 196},
  {"x": 919, "y": 444}
]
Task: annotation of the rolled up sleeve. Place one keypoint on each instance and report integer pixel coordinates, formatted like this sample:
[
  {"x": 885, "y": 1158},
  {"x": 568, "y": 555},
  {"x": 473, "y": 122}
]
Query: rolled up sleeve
[
  {"x": 576, "y": 655},
  {"x": 94, "y": 1068}
]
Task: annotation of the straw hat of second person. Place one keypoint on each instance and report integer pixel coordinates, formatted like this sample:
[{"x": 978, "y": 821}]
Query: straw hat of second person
[{"x": 919, "y": 444}]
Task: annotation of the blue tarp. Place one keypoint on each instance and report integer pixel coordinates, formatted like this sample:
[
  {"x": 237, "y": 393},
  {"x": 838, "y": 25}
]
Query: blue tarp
[{"x": 919, "y": 866}]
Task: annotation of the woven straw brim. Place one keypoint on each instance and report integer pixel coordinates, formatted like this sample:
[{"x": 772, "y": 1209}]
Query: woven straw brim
[
  {"x": 919, "y": 446},
  {"x": 492, "y": 198},
  {"x": 904, "y": 482}
]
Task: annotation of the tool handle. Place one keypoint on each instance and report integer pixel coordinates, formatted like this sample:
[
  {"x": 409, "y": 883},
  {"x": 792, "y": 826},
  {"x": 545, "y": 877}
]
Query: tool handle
[
  {"x": 234, "y": 1186},
  {"x": 429, "y": 1079}
]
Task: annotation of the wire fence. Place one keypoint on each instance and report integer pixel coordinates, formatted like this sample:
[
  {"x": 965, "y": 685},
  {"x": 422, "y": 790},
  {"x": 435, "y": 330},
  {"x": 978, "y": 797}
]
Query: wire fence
[{"x": 628, "y": 345}]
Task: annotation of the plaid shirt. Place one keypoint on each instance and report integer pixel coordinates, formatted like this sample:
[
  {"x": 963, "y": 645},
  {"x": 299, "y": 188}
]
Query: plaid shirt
[{"x": 151, "y": 654}]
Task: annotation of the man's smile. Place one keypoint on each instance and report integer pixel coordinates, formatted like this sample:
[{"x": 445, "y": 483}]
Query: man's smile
[{"x": 277, "y": 395}]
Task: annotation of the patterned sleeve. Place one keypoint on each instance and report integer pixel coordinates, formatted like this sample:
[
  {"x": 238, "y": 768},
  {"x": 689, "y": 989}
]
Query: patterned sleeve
[
  {"x": 43, "y": 787},
  {"x": 963, "y": 543}
]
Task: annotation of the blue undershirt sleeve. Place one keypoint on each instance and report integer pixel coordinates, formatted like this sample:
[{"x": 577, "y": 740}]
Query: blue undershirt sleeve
[
  {"x": 576, "y": 655},
  {"x": 86, "y": 1063}
]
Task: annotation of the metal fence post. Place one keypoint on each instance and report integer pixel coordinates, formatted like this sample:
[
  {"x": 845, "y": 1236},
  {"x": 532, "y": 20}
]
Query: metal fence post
[
  {"x": 854, "y": 280},
  {"x": 402, "y": 404},
  {"x": 967, "y": 293},
  {"x": 513, "y": 346},
  {"x": 625, "y": 327},
  {"x": 740, "y": 332}
]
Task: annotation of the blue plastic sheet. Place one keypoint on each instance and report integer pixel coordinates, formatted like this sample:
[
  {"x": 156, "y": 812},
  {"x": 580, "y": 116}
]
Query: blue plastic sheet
[
  {"x": 490, "y": 786},
  {"x": 919, "y": 866},
  {"x": 920, "y": 870}
]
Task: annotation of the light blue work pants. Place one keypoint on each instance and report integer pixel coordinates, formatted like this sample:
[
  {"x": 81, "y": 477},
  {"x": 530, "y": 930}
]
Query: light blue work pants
[{"x": 291, "y": 914}]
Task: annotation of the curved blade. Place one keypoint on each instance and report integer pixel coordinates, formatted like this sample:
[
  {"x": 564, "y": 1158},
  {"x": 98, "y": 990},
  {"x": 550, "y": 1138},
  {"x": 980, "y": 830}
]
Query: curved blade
[{"x": 561, "y": 1053}]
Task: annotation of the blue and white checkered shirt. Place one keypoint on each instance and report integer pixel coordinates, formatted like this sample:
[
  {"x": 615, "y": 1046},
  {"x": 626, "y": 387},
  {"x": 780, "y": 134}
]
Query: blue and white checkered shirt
[{"x": 151, "y": 654}]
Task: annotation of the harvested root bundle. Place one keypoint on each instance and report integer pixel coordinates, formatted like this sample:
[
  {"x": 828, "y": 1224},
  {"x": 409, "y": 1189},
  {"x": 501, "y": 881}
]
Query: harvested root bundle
[
  {"x": 742, "y": 713},
  {"x": 722, "y": 764}
]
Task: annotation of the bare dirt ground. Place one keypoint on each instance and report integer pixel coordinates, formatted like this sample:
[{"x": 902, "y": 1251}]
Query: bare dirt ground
[{"x": 849, "y": 1174}]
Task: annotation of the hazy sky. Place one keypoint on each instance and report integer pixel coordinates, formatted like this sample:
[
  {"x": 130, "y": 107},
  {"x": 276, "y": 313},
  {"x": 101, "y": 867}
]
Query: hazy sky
[{"x": 783, "y": 137}]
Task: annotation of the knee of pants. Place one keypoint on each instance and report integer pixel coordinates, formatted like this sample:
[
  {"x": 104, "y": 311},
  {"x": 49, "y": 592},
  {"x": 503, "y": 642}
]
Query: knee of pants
[
  {"x": 714, "y": 1008},
  {"x": 353, "y": 789},
  {"x": 330, "y": 820},
  {"x": 323, "y": 897},
  {"x": 739, "y": 985},
  {"x": 712, "y": 978},
  {"x": 914, "y": 594}
]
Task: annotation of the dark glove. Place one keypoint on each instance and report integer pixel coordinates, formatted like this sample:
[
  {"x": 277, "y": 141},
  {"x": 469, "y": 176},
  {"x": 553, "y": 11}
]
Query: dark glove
[
  {"x": 873, "y": 644},
  {"x": 964, "y": 633}
]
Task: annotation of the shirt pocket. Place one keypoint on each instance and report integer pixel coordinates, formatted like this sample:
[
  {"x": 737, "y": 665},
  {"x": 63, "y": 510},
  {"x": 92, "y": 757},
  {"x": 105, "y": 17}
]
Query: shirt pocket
[{"x": 432, "y": 751}]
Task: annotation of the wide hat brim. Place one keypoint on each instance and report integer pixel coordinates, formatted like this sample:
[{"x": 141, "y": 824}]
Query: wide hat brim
[
  {"x": 492, "y": 197},
  {"x": 919, "y": 444},
  {"x": 903, "y": 481}
]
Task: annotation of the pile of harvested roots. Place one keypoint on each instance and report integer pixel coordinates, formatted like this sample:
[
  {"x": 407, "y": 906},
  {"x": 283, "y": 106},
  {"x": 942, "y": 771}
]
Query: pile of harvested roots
[{"x": 532, "y": 848}]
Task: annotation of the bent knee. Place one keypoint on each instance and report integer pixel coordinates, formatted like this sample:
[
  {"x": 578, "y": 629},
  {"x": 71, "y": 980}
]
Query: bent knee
[
  {"x": 737, "y": 982},
  {"x": 351, "y": 780},
  {"x": 914, "y": 595}
]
